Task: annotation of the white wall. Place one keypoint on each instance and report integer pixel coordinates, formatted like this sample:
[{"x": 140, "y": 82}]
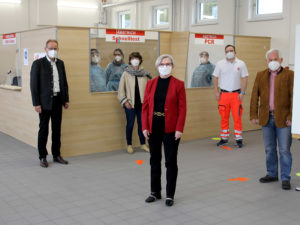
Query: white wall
[
  {"x": 282, "y": 31},
  {"x": 31, "y": 14}
]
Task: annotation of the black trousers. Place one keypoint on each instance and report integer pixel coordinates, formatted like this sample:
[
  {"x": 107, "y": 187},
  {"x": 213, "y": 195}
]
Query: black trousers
[
  {"x": 157, "y": 137},
  {"x": 56, "y": 115}
]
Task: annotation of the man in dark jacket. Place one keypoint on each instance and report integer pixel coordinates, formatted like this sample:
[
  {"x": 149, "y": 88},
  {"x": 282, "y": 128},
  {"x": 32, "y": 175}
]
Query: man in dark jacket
[{"x": 49, "y": 91}]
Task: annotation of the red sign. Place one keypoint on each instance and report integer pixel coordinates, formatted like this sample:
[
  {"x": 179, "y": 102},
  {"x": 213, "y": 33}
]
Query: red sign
[
  {"x": 114, "y": 35},
  {"x": 9, "y": 39},
  {"x": 209, "y": 39}
]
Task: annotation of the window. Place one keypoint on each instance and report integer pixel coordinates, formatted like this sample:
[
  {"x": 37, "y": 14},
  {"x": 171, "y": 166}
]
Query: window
[
  {"x": 124, "y": 19},
  {"x": 207, "y": 10},
  {"x": 265, "y": 9},
  {"x": 161, "y": 16}
]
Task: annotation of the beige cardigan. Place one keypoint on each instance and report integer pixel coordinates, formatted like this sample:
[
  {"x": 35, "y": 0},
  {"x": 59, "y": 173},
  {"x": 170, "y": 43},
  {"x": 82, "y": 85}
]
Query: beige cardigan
[{"x": 126, "y": 90}]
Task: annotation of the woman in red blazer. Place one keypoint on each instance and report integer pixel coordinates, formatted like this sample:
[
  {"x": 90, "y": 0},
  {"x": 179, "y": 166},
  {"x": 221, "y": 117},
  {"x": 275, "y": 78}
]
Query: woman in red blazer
[{"x": 163, "y": 118}]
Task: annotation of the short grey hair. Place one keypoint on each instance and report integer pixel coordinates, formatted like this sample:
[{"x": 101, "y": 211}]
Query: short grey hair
[
  {"x": 161, "y": 57},
  {"x": 273, "y": 50}
]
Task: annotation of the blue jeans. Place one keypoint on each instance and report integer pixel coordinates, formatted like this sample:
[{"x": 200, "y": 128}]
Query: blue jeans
[
  {"x": 130, "y": 116},
  {"x": 272, "y": 135}
]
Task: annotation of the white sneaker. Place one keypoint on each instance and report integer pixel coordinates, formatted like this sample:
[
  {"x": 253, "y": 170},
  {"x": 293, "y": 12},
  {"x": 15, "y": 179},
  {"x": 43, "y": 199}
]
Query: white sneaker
[
  {"x": 130, "y": 149},
  {"x": 145, "y": 147}
]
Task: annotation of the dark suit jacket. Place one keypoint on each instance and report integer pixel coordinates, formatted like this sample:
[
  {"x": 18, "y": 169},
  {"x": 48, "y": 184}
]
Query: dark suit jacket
[
  {"x": 41, "y": 83},
  {"x": 175, "y": 106},
  {"x": 283, "y": 98}
]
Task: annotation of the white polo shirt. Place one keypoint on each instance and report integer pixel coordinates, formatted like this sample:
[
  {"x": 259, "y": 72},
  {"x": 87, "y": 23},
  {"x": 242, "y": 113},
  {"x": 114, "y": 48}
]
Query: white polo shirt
[{"x": 230, "y": 74}]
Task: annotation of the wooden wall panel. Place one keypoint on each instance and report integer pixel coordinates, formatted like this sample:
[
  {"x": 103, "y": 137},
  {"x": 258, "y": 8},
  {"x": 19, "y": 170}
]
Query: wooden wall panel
[
  {"x": 203, "y": 119},
  {"x": 95, "y": 122},
  {"x": 252, "y": 51},
  {"x": 17, "y": 116}
]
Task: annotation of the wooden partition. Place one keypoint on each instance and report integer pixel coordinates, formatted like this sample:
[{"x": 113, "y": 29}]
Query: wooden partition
[
  {"x": 95, "y": 122},
  {"x": 17, "y": 116}
]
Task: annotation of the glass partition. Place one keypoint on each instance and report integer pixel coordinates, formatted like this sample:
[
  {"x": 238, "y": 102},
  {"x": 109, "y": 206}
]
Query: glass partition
[
  {"x": 205, "y": 50},
  {"x": 106, "y": 68},
  {"x": 10, "y": 60}
]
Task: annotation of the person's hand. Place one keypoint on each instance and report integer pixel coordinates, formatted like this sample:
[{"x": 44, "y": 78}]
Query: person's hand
[
  {"x": 289, "y": 123},
  {"x": 127, "y": 105},
  {"x": 38, "y": 108},
  {"x": 178, "y": 135},
  {"x": 241, "y": 96},
  {"x": 146, "y": 134},
  {"x": 255, "y": 121},
  {"x": 67, "y": 104},
  {"x": 218, "y": 96}
]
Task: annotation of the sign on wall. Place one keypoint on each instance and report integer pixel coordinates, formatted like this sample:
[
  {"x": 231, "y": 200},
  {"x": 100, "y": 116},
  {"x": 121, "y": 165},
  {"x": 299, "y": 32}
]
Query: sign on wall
[
  {"x": 9, "y": 39},
  {"x": 209, "y": 39},
  {"x": 118, "y": 36}
]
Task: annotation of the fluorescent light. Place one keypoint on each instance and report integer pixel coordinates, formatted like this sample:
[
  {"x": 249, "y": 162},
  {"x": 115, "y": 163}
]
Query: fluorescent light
[
  {"x": 77, "y": 5},
  {"x": 11, "y": 1}
]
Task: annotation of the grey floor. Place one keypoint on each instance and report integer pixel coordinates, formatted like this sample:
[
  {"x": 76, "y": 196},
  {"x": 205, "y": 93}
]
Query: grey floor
[{"x": 110, "y": 188}]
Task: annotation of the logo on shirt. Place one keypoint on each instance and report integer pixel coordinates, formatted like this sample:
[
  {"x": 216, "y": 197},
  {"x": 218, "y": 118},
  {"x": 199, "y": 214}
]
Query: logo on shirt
[{"x": 238, "y": 69}]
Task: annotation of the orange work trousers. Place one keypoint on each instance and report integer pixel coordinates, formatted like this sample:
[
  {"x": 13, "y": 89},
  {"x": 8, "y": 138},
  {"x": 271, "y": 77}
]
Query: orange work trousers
[{"x": 230, "y": 101}]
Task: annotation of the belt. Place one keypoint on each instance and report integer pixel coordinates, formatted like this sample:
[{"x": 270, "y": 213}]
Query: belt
[
  {"x": 237, "y": 90},
  {"x": 55, "y": 93},
  {"x": 272, "y": 113},
  {"x": 158, "y": 114}
]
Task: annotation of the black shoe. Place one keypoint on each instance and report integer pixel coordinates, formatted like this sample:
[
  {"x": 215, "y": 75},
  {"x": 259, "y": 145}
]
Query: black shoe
[
  {"x": 169, "y": 201},
  {"x": 286, "y": 185},
  {"x": 222, "y": 142},
  {"x": 60, "y": 160},
  {"x": 153, "y": 197},
  {"x": 268, "y": 179},
  {"x": 239, "y": 143},
  {"x": 43, "y": 162}
]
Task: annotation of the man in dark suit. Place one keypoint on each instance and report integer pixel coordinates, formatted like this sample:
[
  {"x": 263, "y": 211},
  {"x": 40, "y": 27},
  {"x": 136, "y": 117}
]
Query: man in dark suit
[{"x": 49, "y": 91}]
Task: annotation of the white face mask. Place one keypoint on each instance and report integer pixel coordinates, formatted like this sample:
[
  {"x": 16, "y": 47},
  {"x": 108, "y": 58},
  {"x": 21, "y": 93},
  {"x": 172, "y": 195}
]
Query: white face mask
[
  {"x": 95, "y": 59},
  {"x": 230, "y": 55},
  {"x": 118, "y": 58},
  {"x": 135, "y": 62},
  {"x": 274, "y": 65},
  {"x": 164, "y": 70},
  {"x": 52, "y": 54},
  {"x": 202, "y": 60}
]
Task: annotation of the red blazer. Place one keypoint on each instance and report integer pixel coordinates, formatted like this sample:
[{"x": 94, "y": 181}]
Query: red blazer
[{"x": 175, "y": 106}]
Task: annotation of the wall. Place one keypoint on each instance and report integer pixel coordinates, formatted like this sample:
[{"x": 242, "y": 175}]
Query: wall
[
  {"x": 33, "y": 14},
  {"x": 17, "y": 116}
]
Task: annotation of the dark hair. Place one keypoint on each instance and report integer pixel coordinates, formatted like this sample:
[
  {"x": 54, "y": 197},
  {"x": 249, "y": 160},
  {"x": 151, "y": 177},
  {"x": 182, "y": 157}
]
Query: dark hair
[
  {"x": 94, "y": 50},
  {"x": 230, "y": 46},
  {"x": 51, "y": 40},
  {"x": 119, "y": 50},
  {"x": 135, "y": 55}
]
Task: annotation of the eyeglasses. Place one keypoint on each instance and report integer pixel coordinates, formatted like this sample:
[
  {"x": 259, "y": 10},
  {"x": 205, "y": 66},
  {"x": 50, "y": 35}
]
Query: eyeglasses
[{"x": 166, "y": 64}]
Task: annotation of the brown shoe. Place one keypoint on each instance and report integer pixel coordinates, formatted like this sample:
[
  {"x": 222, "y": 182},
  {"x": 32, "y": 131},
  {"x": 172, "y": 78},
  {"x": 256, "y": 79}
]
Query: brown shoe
[
  {"x": 60, "y": 160},
  {"x": 43, "y": 162}
]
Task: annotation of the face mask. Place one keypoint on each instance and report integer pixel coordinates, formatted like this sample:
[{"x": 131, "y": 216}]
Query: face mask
[
  {"x": 202, "y": 60},
  {"x": 230, "y": 55},
  {"x": 118, "y": 58},
  {"x": 274, "y": 65},
  {"x": 135, "y": 62},
  {"x": 164, "y": 70},
  {"x": 95, "y": 59},
  {"x": 52, "y": 54}
]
